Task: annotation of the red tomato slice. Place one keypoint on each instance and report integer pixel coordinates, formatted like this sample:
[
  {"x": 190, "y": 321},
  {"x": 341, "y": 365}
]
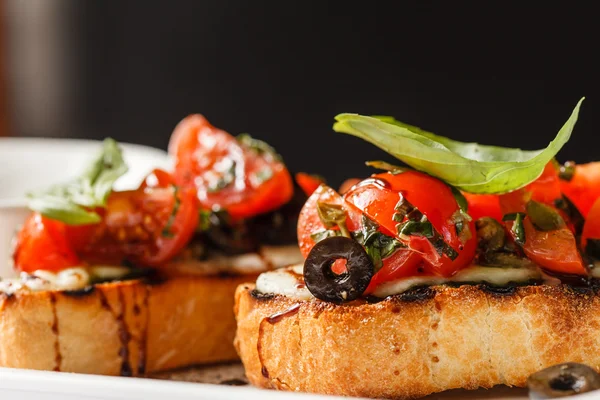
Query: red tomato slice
[
  {"x": 555, "y": 250},
  {"x": 308, "y": 183},
  {"x": 227, "y": 174},
  {"x": 584, "y": 188},
  {"x": 378, "y": 196},
  {"x": 42, "y": 244},
  {"x": 484, "y": 205},
  {"x": 347, "y": 184},
  {"x": 591, "y": 227}
]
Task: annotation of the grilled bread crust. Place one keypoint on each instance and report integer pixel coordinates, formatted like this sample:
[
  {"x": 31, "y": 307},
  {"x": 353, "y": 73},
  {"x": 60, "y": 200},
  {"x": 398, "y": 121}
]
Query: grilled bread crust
[
  {"x": 424, "y": 341},
  {"x": 129, "y": 328}
]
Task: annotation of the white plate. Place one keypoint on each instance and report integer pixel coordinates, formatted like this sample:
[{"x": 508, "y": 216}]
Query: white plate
[{"x": 32, "y": 163}]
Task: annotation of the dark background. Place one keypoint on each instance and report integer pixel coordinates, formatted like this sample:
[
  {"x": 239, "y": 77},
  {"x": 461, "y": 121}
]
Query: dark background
[{"x": 493, "y": 72}]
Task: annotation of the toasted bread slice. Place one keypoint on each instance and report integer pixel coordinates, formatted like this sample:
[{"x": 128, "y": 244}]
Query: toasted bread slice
[
  {"x": 421, "y": 342},
  {"x": 127, "y": 328}
]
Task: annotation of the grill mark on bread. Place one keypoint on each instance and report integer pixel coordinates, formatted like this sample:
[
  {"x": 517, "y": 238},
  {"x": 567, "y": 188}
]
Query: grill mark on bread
[
  {"x": 124, "y": 336},
  {"x": 143, "y": 343},
  {"x": 123, "y": 332},
  {"x": 86, "y": 291},
  {"x": 57, "y": 352}
]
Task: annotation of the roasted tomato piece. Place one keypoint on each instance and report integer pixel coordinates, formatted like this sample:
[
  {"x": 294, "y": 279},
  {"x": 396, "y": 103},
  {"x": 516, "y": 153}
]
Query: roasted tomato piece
[
  {"x": 244, "y": 177},
  {"x": 146, "y": 227},
  {"x": 554, "y": 250},
  {"x": 450, "y": 245},
  {"x": 42, "y": 244},
  {"x": 583, "y": 187}
]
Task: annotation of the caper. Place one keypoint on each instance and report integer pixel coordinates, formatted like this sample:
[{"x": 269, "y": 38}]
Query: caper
[
  {"x": 562, "y": 380},
  {"x": 325, "y": 284},
  {"x": 490, "y": 234},
  {"x": 544, "y": 217}
]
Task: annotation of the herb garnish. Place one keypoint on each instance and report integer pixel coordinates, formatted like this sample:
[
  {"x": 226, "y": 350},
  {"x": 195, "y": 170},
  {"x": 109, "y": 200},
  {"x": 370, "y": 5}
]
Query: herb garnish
[
  {"x": 74, "y": 202},
  {"x": 261, "y": 147},
  {"x": 166, "y": 232},
  {"x": 333, "y": 215},
  {"x": 517, "y": 227},
  {"x": 263, "y": 175},
  {"x": 414, "y": 222},
  {"x": 224, "y": 180},
  {"x": 470, "y": 167},
  {"x": 377, "y": 244}
]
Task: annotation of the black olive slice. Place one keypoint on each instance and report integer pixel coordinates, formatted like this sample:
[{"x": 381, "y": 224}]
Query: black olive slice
[
  {"x": 563, "y": 380},
  {"x": 326, "y": 285}
]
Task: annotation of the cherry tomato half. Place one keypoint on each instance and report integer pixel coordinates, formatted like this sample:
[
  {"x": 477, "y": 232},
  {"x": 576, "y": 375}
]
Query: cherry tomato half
[
  {"x": 42, "y": 244},
  {"x": 226, "y": 173},
  {"x": 378, "y": 196}
]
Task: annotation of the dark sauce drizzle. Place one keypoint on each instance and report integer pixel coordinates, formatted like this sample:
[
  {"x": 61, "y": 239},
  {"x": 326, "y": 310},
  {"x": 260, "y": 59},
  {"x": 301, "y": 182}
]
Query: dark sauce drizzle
[
  {"x": 273, "y": 319},
  {"x": 57, "y": 353}
]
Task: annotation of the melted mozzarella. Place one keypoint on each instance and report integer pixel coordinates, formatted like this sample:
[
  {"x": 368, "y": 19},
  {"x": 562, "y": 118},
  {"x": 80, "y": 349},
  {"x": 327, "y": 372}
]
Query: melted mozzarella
[
  {"x": 285, "y": 281},
  {"x": 289, "y": 281}
]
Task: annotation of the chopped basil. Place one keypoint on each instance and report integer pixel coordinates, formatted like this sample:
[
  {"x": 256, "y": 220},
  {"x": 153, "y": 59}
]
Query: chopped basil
[
  {"x": 264, "y": 175},
  {"x": 571, "y": 210},
  {"x": 257, "y": 145},
  {"x": 566, "y": 171},
  {"x": 224, "y": 180},
  {"x": 377, "y": 244},
  {"x": 545, "y": 218},
  {"x": 592, "y": 248},
  {"x": 394, "y": 169},
  {"x": 333, "y": 215},
  {"x": 404, "y": 209},
  {"x": 73, "y": 202},
  {"x": 204, "y": 222},
  {"x": 166, "y": 232},
  {"x": 318, "y": 236},
  {"x": 518, "y": 229},
  {"x": 512, "y": 216},
  {"x": 422, "y": 228}
]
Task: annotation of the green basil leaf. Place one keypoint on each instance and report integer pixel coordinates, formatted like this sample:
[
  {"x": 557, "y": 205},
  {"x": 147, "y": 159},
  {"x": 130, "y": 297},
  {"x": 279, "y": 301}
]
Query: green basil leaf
[
  {"x": 71, "y": 202},
  {"x": 318, "y": 236},
  {"x": 470, "y": 167},
  {"x": 460, "y": 199}
]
